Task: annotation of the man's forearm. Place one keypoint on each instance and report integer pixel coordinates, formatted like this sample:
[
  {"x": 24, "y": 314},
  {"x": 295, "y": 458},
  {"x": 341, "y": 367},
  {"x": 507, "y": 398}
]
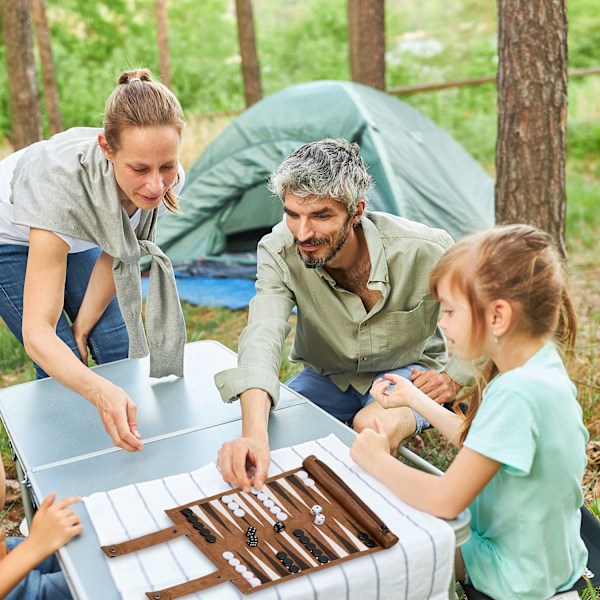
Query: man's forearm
[{"x": 256, "y": 405}]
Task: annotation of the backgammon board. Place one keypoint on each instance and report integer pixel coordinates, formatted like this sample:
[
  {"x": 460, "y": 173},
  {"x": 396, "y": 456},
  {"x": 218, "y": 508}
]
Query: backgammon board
[{"x": 301, "y": 521}]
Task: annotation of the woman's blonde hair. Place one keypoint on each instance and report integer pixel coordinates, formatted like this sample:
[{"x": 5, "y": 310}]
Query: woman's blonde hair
[
  {"x": 519, "y": 264},
  {"x": 140, "y": 101}
]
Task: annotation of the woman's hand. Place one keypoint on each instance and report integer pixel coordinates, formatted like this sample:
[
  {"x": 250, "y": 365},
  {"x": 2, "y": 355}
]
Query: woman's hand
[
  {"x": 118, "y": 414},
  {"x": 81, "y": 338},
  {"x": 393, "y": 391},
  {"x": 370, "y": 446}
]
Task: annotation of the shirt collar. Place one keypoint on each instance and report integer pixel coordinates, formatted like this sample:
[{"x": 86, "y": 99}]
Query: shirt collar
[{"x": 379, "y": 266}]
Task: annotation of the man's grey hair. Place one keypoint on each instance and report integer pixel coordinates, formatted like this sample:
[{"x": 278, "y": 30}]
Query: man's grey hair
[{"x": 325, "y": 169}]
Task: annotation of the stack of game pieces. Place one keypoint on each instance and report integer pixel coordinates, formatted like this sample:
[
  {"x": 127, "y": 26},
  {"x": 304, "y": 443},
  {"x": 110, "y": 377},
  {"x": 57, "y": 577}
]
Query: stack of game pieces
[{"x": 252, "y": 537}]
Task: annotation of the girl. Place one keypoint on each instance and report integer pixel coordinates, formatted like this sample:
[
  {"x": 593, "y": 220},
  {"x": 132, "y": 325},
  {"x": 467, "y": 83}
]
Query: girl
[
  {"x": 522, "y": 442},
  {"x": 77, "y": 212}
]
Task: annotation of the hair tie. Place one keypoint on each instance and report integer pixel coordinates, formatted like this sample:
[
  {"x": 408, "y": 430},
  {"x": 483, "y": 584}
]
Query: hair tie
[{"x": 134, "y": 79}]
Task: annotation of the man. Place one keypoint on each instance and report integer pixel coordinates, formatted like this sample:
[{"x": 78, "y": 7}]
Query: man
[{"x": 360, "y": 286}]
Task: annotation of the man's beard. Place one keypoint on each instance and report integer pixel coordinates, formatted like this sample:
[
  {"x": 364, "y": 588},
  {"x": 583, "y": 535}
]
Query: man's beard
[{"x": 315, "y": 263}]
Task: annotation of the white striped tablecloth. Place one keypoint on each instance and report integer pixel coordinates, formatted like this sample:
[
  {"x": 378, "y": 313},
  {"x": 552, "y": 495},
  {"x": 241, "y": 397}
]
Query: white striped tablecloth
[{"x": 418, "y": 567}]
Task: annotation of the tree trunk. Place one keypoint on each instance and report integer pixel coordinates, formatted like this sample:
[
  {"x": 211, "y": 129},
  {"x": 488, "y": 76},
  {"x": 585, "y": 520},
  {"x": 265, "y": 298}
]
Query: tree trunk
[
  {"x": 366, "y": 41},
  {"x": 164, "y": 55},
  {"x": 354, "y": 39},
  {"x": 532, "y": 113},
  {"x": 48, "y": 77},
  {"x": 250, "y": 65},
  {"x": 20, "y": 66}
]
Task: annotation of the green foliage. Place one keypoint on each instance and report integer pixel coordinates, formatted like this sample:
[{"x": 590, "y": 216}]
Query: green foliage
[
  {"x": 12, "y": 353},
  {"x": 304, "y": 41},
  {"x": 584, "y": 34},
  {"x": 427, "y": 41},
  {"x": 583, "y": 140}
]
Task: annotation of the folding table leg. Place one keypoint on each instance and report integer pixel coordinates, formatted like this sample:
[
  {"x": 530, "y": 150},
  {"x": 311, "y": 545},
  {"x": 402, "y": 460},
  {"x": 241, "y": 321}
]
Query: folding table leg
[{"x": 25, "y": 492}]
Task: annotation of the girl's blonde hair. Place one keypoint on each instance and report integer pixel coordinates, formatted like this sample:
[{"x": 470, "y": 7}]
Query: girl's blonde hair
[
  {"x": 519, "y": 264},
  {"x": 140, "y": 101}
]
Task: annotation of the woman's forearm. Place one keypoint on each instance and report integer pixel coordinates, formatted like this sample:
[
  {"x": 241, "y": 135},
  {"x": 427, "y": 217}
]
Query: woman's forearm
[{"x": 99, "y": 292}]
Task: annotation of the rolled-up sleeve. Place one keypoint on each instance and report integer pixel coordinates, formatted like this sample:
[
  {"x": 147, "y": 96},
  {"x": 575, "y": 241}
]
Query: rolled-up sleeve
[{"x": 262, "y": 342}]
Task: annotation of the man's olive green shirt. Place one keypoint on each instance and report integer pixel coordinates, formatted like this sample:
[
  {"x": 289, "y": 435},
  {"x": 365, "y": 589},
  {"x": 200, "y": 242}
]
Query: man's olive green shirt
[{"x": 335, "y": 335}]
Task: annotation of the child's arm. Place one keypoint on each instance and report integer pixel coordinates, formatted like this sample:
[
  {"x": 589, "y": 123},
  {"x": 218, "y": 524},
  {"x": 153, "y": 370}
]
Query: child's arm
[
  {"x": 404, "y": 393},
  {"x": 446, "y": 496},
  {"x": 52, "y": 527}
]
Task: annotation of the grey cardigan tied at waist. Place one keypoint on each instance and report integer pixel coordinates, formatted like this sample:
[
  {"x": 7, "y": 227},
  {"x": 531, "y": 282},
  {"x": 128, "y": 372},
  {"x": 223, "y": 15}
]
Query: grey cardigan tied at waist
[{"x": 67, "y": 186}]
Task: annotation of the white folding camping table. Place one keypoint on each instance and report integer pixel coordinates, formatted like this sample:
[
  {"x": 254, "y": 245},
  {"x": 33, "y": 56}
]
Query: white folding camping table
[{"x": 60, "y": 445}]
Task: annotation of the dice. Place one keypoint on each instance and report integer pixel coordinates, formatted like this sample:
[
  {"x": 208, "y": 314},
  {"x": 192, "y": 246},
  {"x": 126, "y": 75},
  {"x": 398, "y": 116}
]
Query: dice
[
  {"x": 316, "y": 510},
  {"x": 319, "y": 519},
  {"x": 278, "y": 527}
]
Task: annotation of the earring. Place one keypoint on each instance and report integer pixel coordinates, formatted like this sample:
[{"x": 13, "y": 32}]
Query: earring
[{"x": 495, "y": 337}]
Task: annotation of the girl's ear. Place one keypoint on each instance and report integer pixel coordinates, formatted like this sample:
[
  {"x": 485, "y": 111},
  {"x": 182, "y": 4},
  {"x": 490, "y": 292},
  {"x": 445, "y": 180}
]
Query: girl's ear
[
  {"x": 501, "y": 317},
  {"x": 105, "y": 146}
]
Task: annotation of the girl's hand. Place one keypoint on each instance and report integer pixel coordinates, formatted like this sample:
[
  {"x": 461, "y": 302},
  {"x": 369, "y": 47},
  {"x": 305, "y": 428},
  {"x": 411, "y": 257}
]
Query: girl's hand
[
  {"x": 54, "y": 524},
  {"x": 402, "y": 392},
  {"x": 370, "y": 446}
]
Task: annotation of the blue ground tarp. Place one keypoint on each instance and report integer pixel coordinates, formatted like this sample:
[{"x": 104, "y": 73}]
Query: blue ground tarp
[{"x": 212, "y": 291}]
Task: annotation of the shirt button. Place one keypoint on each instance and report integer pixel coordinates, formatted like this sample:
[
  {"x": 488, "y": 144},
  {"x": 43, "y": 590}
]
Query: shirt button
[{"x": 364, "y": 358}]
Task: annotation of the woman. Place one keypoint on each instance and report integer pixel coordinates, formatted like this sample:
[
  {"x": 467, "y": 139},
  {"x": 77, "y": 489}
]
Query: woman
[{"x": 83, "y": 189}]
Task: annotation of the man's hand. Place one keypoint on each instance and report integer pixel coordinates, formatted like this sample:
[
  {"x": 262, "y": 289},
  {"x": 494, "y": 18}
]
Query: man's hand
[
  {"x": 438, "y": 386},
  {"x": 244, "y": 462},
  {"x": 118, "y": 414}
]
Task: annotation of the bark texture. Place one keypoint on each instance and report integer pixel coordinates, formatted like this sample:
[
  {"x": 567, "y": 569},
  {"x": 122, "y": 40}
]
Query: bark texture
[
  {"x": 20, "y": 66},
  {"x": 248, "y": 53},
  {"x": 55, "y": 119},
  {"x": 366, "y": 40},
  {"x": 532, "y": 113}
]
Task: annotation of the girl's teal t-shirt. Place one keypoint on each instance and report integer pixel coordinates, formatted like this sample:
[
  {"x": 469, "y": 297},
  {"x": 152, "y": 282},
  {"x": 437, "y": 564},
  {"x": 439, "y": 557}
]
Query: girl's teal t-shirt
[{"x": 525, "y": 541}]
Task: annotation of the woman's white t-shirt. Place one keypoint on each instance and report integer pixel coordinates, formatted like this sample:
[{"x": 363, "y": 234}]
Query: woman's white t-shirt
[{"x": 10, "y": 233}]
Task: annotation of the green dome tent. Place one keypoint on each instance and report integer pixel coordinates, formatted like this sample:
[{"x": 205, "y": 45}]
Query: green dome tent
[{"x": 420, "y": 172}]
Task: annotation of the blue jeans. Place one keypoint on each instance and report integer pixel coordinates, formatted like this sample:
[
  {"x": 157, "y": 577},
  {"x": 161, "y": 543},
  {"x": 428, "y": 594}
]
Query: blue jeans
[
  {"x": 320, "y": 390},
  {"x": 108, "y": 341},
  {"x": 45, "y": 582}
]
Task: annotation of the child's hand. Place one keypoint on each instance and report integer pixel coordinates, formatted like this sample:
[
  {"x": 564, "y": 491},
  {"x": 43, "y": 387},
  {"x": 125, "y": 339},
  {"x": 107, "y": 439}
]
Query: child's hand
[
  {"x": 401, "y": 394},
  {"x": 370, "y": 446},
  {"x": 54, "y": 524}
]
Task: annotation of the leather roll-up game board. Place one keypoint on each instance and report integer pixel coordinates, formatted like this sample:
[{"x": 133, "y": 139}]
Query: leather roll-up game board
[{"x": 301, "y": 521}]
